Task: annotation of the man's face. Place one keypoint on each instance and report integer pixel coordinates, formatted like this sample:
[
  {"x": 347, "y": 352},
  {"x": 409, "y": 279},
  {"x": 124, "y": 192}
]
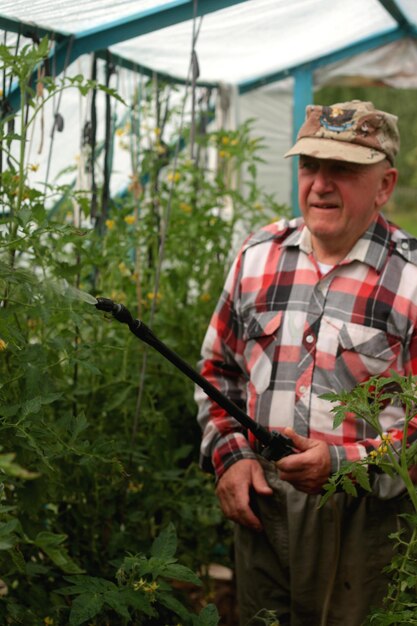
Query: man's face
[{"x": 339, "y": 200}]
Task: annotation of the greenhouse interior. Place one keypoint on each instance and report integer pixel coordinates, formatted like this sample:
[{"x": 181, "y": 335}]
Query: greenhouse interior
[{"x": 141, "y": 142}]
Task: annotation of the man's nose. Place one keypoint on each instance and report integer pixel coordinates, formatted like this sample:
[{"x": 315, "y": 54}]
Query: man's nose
[{"x": 322, "y": 182}]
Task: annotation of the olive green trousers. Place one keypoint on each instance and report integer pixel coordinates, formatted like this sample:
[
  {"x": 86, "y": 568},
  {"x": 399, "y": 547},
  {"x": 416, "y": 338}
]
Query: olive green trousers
[{"x": 315, "y": 566}]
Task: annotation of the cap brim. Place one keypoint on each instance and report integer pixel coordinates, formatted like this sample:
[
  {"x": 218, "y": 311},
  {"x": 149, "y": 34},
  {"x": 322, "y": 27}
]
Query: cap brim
[{"x": 321, "y": 148}]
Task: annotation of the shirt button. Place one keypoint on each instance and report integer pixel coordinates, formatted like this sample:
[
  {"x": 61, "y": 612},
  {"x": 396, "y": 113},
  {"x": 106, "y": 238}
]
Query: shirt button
[
  {"x": 309, "y": 339},
  {"x": 303, "y": 389},
  {"x": 404, "y": 245}
]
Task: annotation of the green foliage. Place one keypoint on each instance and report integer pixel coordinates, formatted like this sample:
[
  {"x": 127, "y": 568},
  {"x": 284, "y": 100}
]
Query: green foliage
[
  {"x": 142, "y": 594},
  {"x": 95, "y": 463},
  {"x": 394, "y": 458},
  {"x": 264, "y": 617}
]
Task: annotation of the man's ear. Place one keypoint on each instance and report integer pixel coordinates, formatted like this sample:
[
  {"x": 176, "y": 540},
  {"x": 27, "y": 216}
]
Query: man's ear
[{"x": 388, "y": 181}]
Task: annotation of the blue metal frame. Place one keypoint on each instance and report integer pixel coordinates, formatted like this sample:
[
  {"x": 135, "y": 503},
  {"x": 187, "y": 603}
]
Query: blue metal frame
[
  {"x": 97, "y": 39},
  {"x": 28, "y": 28},
  {"x": 364, "y": 45},
  {"x": 303, "y": 95},
  {"x": 303, "y": 86},
  {"x": 69, "y": 48},
  {"x": 394, "y": 10},
  {"x": 148, "y": 21},
  {"x": 140, "y": 24}
]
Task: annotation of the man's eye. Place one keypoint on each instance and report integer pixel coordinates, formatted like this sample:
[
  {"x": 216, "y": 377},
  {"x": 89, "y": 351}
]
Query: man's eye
[
  {"x": 344, "y": 167},
  {"x": 308, "y": 165}
]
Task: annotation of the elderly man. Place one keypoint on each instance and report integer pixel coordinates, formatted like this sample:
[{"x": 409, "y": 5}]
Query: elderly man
[{"x": 315, "y": 304}]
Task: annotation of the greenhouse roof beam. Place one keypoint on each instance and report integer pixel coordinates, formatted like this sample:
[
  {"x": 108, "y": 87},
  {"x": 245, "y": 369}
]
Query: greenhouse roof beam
[
  {"x": 29, "y": 29},
  {"x": 70, "y": 48},
  {"x": 145, "y": 22},
  {"x": 394, "y": 10},
  {"x": 339, "y": 55}
]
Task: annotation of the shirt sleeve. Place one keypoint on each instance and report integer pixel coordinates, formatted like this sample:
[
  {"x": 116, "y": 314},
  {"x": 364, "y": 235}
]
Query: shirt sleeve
[{"x": 224, "y": 439}]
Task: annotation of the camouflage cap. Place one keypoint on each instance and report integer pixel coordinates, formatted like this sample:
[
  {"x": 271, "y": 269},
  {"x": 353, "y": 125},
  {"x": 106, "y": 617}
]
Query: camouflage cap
[{"x": 348, "y": 131}]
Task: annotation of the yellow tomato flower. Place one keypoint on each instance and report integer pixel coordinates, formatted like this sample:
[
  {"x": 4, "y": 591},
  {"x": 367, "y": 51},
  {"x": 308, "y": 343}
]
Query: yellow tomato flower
[
  {"x": 130, "y": 219},
  {"x": 48, "y": 621},
  {"x": 160, "y": 148},
  {"x": 110, "y": 224},
  {"x": 118, "y": 296},
  {"x": 134, "y": 487},
  {"x": 34, "y": 167},
  {"x": 173, "y": 177},
  {"x": 223, "y": 154},
  {"x": 139, "y": 584},
  {"x": 225, "y": 141},
  {"x": 185, "y": 208},
  {"x": 151, "y": 296},
  {"x": 146, "y": 587},
  {"x": 205, "y": 297},
  {"x": 3, "y": 345},
  {"x": 123, "y": 269},
  {"x": 120, "y": 132},
  {"x": 157, "y": 131}
]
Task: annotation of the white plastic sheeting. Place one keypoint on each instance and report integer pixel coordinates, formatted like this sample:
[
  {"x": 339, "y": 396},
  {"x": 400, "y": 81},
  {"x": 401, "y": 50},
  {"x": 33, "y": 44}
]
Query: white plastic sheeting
[
  {"x": 248, "y": 41},
  {"x": 59, "y": 157},
  {"x": 75, "y": 16},
  {"x": 235, "y": 44},
  {"x": 394, "y": 64},
  {"x": 259, "y": 37},
  {"x": 271, "y": 111}
]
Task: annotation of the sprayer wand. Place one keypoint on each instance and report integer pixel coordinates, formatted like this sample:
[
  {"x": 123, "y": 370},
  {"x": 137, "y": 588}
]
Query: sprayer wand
[{"x": 275, "y": 445}]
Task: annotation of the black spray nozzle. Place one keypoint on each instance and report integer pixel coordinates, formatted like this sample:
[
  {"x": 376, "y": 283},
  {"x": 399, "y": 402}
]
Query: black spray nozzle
[
  {"x": 119, "y": 311},
  {"x": 275, "y": 445},
  {"x": 105, "y": 304}
]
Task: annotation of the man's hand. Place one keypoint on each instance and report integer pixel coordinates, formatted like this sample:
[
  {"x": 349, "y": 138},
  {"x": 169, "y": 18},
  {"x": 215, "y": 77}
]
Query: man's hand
[
  {"x": 233, "y": 491},
  {"x": 309, "y": 469}
]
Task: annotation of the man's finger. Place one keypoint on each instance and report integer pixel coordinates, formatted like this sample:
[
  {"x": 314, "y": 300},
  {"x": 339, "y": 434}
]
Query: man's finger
[
  {"x": 259, "y": 483},
  {"x": 300, "y": 442}
]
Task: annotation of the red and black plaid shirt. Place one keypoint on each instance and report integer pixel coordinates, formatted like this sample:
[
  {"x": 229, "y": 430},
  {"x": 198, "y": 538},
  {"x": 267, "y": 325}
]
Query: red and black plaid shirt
[{"x": 283, "y": 334}]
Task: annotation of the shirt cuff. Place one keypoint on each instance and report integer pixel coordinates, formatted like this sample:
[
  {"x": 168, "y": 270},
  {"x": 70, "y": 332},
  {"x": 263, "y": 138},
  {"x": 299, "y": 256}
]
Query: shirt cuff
[{"x": 230, "y": 449}]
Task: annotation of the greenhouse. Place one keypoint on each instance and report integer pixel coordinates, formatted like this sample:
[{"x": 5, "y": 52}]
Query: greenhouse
[{"x": 142, "y": 142}]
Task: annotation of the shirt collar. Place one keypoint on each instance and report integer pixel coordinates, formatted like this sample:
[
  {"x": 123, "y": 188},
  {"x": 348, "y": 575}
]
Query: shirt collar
[{"x": 372, "y": 248}]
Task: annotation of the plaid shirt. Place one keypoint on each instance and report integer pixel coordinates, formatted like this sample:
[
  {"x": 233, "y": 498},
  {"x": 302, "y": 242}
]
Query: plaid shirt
[{"x": 283, "y": 334}]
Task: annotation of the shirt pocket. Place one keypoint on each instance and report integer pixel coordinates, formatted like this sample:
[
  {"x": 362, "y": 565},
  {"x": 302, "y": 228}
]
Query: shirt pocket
[
  {"x": 364, "y": 352},
  {"x": 260, "y": 336}
]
